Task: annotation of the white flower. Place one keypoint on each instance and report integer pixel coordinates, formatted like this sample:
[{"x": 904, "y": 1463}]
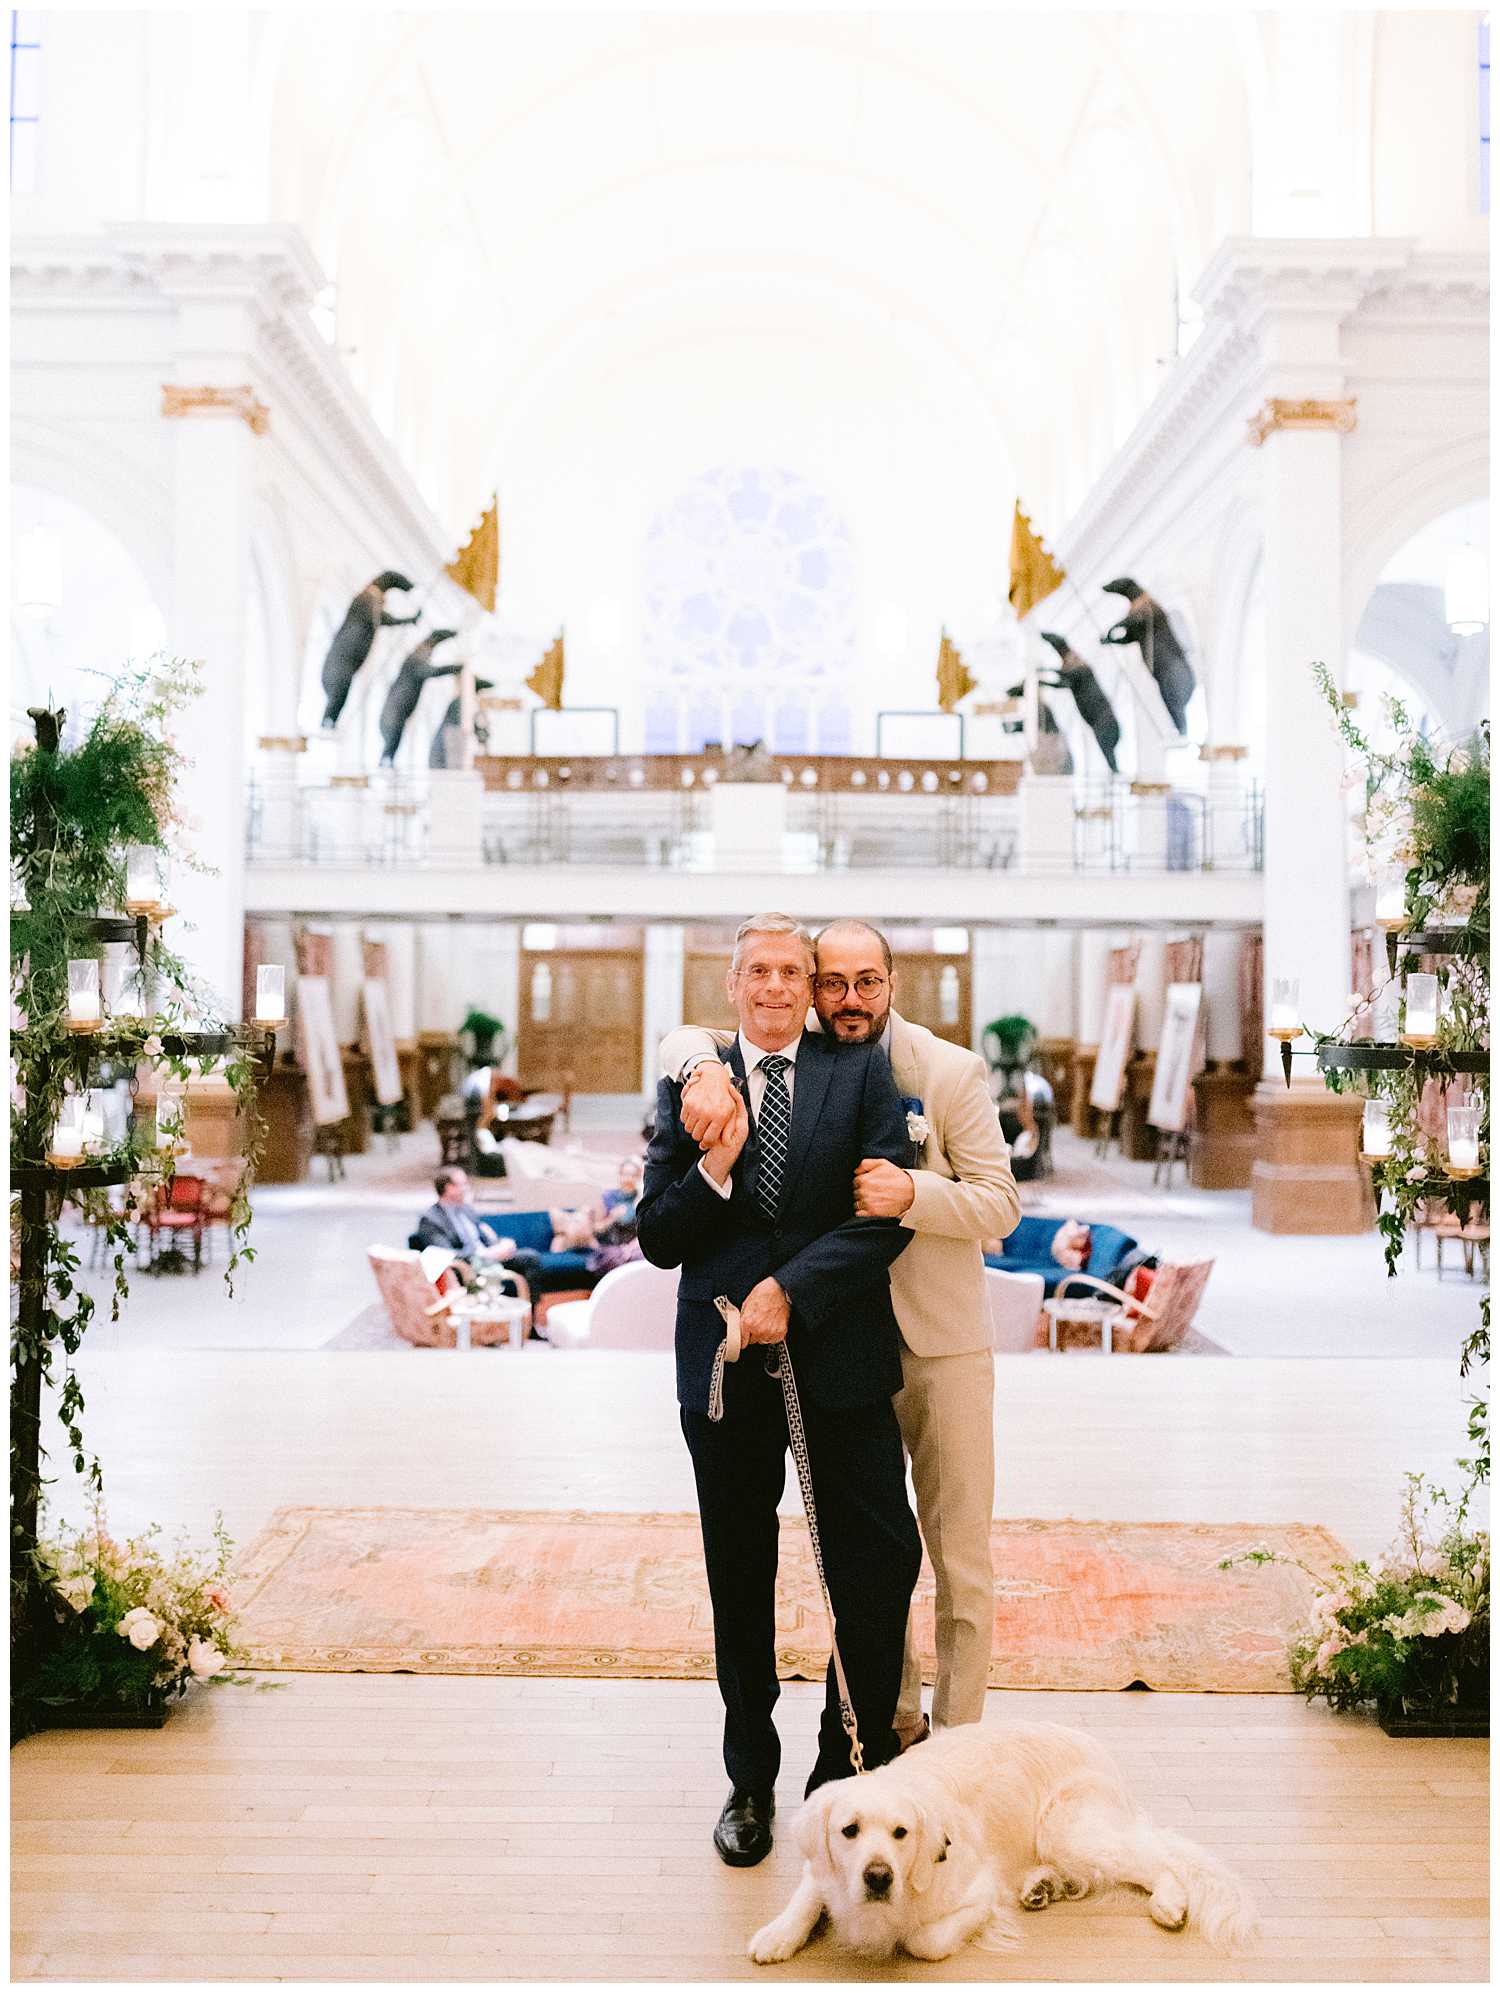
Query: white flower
[
  {"x": 139, "y": 1628},
  {"x": 1416, "y": 1176},
  {"x": 916, "y": 1127},
  {"x": 1449, "y": 1616},
  {"x": 204, "y": 1659},
  {"x": 77, "y": 1589},
  {"x": 152, "y": 1047}
]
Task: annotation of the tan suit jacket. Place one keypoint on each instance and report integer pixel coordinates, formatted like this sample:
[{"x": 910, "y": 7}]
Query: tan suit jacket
[{"x": 964, "y": 1188}]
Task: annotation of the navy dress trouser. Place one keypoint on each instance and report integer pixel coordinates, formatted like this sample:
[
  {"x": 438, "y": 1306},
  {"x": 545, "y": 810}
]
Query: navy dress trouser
[{"x": 871, "y": 1551}]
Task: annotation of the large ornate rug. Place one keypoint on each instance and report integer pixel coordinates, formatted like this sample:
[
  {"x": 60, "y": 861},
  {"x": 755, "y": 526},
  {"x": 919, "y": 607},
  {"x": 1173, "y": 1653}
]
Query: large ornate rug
[{"x": 1078, "y": 1605}]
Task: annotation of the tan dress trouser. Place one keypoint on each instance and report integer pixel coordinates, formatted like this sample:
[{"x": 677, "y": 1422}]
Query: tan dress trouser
[{"x": 946, "y": 1409}]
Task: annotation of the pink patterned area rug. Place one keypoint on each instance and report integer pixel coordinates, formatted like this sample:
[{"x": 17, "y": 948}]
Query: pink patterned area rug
[{"x": 1078, "y": 1605}]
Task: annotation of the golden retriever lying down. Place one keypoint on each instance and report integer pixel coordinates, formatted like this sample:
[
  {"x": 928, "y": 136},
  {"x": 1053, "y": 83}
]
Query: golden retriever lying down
[{"x": 949, "y": 1840}]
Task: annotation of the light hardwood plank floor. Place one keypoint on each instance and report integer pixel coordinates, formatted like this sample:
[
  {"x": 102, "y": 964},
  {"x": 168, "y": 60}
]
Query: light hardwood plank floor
[{"x": 395, "y": 1828}]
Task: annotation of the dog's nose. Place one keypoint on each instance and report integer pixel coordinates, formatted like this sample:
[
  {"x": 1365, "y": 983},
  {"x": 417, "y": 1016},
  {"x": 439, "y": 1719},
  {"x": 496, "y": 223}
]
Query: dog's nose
[{"x": 878, "y": 1878}]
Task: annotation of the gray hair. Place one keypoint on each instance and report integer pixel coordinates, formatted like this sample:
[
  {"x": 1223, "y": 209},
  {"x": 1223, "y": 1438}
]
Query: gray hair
[
  {"x": 837, "y": 927},
  {"x": 773, "y": 923}
]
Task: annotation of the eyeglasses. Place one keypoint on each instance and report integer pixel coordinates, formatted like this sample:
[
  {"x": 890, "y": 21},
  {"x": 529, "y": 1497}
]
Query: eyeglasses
[
  {"x": 762, "y": 972},
  {"x": 868, "y": 986}
]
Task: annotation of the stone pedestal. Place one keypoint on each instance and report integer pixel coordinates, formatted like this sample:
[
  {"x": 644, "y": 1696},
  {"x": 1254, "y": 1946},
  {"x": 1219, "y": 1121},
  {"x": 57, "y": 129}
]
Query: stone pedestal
[
  {"x": 287, "y": 1113},
  {"x": 1045, "y": 805},
  {"x": 212, "y": 1124},
  {"x": 1137, "y": 1137},
  {"x": 747, "y": 822},
  {"x": 1224, "y": 1139},
  {"x": 1307, "y": 1176},
  {"x": 1081, "y": 1115},
  {"x": 455, "y": 818}
]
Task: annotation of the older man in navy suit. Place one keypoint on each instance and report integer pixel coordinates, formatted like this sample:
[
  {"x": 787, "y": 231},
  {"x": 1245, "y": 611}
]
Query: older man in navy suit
[{"x": 766, "y": 1217}]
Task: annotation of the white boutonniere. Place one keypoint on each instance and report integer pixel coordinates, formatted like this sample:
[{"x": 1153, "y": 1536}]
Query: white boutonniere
[{"x": 917, "y": 1129}]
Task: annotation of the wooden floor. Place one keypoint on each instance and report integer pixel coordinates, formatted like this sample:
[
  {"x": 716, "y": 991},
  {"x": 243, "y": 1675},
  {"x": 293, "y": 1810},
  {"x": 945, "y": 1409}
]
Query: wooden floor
[{"x": 394, "y": 1828}]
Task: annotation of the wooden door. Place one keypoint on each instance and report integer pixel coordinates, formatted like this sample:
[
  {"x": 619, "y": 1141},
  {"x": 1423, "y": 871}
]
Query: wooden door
[
  {"x": 703, "y": 997},
  {"x": 935, "y": 990},
  {"x": 581, "y": 1013}
]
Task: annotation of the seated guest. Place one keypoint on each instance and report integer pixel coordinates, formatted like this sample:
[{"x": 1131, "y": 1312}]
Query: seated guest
[
  {"x": 454, "y": 1223},
  {"x": 607, "y": 1233}
]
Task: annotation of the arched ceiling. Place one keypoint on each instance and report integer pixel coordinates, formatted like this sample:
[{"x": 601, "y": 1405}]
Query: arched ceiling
[{"x": 1007, "y": 202}]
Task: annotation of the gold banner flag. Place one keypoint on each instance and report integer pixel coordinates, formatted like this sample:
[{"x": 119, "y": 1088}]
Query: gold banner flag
[
  {"x": 476, "y": 565},
  {"x": 1033, "y": 572},
  {"x": 547, "y": 680},
  {"x": 955, "y": 680}
]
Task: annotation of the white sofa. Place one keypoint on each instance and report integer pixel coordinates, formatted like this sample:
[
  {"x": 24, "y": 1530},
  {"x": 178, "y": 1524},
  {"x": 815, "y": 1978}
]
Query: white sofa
[{"x": 633, "y": 1307}]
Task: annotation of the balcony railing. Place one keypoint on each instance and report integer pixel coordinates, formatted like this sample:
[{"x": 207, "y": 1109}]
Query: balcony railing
[{"x": 659, "y": 812}]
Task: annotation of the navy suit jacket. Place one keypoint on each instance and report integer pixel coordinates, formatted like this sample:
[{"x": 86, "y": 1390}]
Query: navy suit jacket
[{"x": 843, "y": 1338}]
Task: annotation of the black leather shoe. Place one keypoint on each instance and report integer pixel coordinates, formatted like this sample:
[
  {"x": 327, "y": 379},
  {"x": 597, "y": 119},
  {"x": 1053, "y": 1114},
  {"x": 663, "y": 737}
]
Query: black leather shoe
[{"x": 743, "y": 1835}]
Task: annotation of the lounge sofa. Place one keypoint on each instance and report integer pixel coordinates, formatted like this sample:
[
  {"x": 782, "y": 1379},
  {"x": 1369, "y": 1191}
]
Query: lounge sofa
[
  {"x": 532, "y": 1232},
  {"x": 1029, "y": 1250}
]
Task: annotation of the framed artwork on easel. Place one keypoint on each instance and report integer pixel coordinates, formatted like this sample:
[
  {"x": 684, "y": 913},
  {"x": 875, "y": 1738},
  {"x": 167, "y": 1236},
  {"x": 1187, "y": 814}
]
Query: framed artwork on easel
[
  {"x": 1177, "y": 1057},
  {"x": 318, "y": 1049},
  {"x": 1108, "y": 1089}
]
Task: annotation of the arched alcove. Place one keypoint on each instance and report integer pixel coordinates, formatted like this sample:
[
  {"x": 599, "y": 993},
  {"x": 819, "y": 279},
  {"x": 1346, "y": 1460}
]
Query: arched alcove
[{"x": 81, "y": 608}]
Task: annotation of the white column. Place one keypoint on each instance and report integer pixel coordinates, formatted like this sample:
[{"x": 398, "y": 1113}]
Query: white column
[
  {"x": 1058, "y": 1007},
  {"x": 662, "y": 1007},
  {"x": 213, "y": 471},
  {"x": 455, "y": 810},
  {"x": 436, "y": 1006},
  {"x": 1094, "y": 946},
  {"x": 1306, "y": 871},
  {"x": 992, "y": 978},
  {"x": 1222, "y": 948}
]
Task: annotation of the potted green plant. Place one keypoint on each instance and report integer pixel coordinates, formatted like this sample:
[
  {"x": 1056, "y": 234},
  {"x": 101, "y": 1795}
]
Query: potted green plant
[{"x": 479, "y": 1032}]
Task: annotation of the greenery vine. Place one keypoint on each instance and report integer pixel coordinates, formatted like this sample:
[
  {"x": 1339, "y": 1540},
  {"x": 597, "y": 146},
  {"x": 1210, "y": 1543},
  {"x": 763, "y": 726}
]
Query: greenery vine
[
  {"x": 74, "y": 810},
  {"x": 1427, "y": 810}
]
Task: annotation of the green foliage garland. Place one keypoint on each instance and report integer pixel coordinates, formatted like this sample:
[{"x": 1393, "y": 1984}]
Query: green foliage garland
[{"x": 73, "y": 811}]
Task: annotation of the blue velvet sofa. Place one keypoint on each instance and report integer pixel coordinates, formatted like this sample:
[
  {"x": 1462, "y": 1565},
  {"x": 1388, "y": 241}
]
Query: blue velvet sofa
[
  {"x": 532, "y": 1232},
  {"x": 1029, "y": 1250}
]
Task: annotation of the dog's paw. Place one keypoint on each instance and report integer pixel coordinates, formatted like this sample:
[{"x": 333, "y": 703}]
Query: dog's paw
[
  {"x": 776, "y": 1941},
  {"x": 933, "y": 1942},
  {"x": 1041, "y": 1886},
  {"x": 1169, "y": 1904}
]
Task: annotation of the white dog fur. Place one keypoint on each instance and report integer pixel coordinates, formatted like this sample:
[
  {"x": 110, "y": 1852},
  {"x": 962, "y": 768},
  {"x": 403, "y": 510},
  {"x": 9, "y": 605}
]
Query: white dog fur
[{"x": 975, "y": 1824}]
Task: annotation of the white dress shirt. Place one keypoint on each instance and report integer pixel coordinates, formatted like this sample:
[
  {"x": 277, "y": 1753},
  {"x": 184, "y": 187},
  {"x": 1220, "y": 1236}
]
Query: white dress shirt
[{"x": 756, "y": 1083}]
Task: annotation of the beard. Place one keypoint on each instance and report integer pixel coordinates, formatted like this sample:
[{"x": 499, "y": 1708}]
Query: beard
[{"x": 876, "y": 1026}]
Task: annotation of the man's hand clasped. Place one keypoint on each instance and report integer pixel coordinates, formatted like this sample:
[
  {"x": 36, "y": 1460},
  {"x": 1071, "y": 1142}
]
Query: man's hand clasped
[
  {"x": 882, "y": 1189},
  {"x": 710, "y": 1099}
]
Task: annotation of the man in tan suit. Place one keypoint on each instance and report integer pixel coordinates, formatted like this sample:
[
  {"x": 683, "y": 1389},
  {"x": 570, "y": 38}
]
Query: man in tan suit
[{"x": 959, "y": 1191}]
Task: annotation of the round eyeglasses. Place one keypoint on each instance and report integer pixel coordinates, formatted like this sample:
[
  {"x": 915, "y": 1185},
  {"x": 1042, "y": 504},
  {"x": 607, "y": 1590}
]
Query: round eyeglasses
[{"x": 868, "y": 986}]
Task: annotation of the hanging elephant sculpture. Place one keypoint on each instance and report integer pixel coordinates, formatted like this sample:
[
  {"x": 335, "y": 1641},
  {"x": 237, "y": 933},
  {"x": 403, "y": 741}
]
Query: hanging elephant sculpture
[
  {"x": 406, "y": 689},
  {"x": 1089, "y": 696},
  {"x": 1146, "y": 624},
  {"x": 352, "y": 642}
]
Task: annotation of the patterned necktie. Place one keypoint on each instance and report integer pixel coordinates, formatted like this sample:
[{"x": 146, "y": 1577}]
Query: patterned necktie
[{"x": 773, "y": 1131}]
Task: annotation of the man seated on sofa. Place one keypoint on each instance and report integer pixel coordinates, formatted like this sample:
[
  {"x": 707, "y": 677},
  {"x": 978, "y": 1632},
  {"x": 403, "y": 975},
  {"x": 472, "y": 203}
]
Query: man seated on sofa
[
  {"x": 1056, "y": 1247},
  {"x": 454, "y": 1224}
]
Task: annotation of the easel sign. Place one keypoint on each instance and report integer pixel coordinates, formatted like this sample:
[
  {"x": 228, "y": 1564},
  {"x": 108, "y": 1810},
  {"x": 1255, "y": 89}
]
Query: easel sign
[
  {"x": 380, "y": 1042},
  {"x": 318, "y": 1049},
  {"x": 1108, "y": 1089},
  {"x": 1178, "y": 1057}
]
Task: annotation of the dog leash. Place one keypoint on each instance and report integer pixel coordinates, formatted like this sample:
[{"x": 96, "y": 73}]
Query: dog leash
[{"x": 779, "y": 1364}]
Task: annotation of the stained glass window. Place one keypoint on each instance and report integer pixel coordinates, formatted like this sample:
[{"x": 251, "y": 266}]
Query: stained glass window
[{"x": 750, "y": 616}]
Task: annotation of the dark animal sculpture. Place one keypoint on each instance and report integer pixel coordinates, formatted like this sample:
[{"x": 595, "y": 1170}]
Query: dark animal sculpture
[
  {"x": 1052, "y": 755},
  {"x": 365, "y": 615},
  {"x": 437, "y": 755},
  {"x": 1147, "y": 625},
  {"x": 1089, "y": 696},
  {"x": 406, "y": 690}
]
